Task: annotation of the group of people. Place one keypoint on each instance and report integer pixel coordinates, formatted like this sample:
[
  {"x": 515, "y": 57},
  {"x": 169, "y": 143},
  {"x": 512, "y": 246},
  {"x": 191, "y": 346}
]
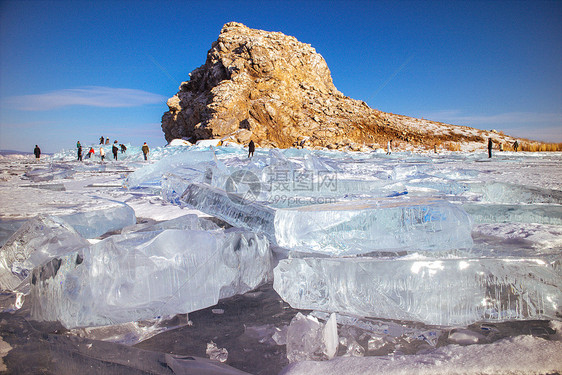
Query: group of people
[{"x": 114, "y": 149}]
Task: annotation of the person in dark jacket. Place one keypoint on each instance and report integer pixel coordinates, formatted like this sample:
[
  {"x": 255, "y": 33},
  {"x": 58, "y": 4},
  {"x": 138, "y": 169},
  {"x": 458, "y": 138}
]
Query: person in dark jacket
[
  {"x": 490, "y": 145},
  {"x": 115, "y": 150},
  {"x": 251, "y": 149},
  {"x": 515, "y": 145},
  {"x": 123, "y": 148},
  {"x": 101, "y": 140},
  {"x": 37, "y": 152},
  {"x": 79, "y": 152},
  {"x": 145, "y": 151}
]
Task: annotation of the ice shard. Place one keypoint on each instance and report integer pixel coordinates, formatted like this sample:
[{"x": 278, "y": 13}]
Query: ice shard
[
  {"x": 139, "y": 276},
  {"x": 34, "y": 243},
  {"x": 433, "y": 291}
]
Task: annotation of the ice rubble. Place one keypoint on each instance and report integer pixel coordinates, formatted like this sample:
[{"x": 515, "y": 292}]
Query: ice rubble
[
  {"x": 441, "y": 291},
  {"x": 138, "y": 276}
]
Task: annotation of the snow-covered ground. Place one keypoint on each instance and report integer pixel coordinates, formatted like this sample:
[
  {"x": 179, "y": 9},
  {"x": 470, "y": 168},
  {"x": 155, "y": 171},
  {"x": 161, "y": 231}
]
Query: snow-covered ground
[{"x": 513, "y": 203}]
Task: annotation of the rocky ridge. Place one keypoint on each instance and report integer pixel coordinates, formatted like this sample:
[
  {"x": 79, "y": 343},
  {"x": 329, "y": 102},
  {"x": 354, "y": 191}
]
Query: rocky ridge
[{"x": 271, "y": 88}]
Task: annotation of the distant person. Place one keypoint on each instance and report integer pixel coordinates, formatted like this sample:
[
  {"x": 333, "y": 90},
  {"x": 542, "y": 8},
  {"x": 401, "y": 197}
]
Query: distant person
[
  {"x": 515, "y": 145},
  {"x": 490, "y": 145},
  {"x": 115, "y": 150},
  {"x": 78, "y": 145},
  {"x": 123, "y": 148},
  {"x": 501, "y": 147},
  {"x": 389, "y": 147},
  {"x": 102, "y": 154},
  {"x": 37, "y": 152},
  {"x": 251, "y": 149},
  {"x": 107, "y": 141},
  {"x": 90, "y": 153},
  {"x": 435, "y": 148},
  {"x": 79, "y": 152},
  {"x": 145, "y": 151},
  {"x": 101, "y": 140}
]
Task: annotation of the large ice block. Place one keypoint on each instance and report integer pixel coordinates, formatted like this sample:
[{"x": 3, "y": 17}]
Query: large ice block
[
  {"x": 433, "y": 291},
  {"x": 34, "y": 243},
  {"x": 353, "y": 227},
  {"x": 91, "y": 216},
  {"x": 383, "y": 224},
  {"x": 144, "y": 275}
]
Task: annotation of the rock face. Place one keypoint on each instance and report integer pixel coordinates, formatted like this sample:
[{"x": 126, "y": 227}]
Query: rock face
[{"x": 271, "y": 88}]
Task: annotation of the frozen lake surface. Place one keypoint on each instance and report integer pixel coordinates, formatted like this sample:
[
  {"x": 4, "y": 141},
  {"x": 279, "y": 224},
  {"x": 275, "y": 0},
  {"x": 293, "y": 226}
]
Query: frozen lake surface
[{"x": 201, "y": 260}]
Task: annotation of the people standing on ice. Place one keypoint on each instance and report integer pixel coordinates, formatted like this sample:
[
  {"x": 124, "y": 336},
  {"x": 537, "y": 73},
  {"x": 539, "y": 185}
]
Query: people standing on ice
[
  {"x": 102, "y": 154},
  {"x": 37, "y": 152},
  {"x": 79, "y": 152},
  {"x": 515, "y": 145},
  {"x": 389, "y": 147},
  {"x": 145, "y": 151},
  {"x": 101, "y": 140},
  {"x": 490, "y": 145},
  {"x": 91, "y": 152},
  {"x": 123, "y": 148},
  {"x": 115, "y": 150},
  {"x": 107, "y": 141},
  {"x": 251, "y": 148}
]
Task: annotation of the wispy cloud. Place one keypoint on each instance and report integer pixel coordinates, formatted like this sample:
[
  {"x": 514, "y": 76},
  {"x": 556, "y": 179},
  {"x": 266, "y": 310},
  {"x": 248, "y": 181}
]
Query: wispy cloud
[
  {"x": 94, "y": 96},
  {"x": 509, "y": 118}
]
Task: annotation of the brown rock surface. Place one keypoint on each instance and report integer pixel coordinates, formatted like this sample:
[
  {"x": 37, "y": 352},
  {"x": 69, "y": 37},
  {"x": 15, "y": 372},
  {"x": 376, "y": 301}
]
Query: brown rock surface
[{"x": 271, "y": 88}]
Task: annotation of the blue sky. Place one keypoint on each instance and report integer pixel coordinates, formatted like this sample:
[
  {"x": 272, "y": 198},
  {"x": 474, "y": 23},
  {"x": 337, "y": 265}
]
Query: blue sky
[{"x": 76, "y": 70}]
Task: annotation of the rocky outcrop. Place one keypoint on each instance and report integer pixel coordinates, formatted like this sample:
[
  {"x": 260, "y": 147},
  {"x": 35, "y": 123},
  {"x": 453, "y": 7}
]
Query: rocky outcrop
[{"x": 271, "y": 88}]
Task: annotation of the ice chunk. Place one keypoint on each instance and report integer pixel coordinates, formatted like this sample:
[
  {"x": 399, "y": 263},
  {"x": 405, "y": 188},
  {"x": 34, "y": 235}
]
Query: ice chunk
[
  {"x": 188, "y": 163},
  {"x": 139, "y": 276},
  {"x": 231, "y": 208},
  {"x": 362, "y": 226},
  {"x": 34, "y": 243},
  {"x": 309, "y": 339},
  {"x": 91, "y": 224},
  {"x": 439, "y": 291},
  {"x": 131, "y": 333},
  {"x": 215, "y": 353},
  {"x": 90, "y": 216},
  {"x": 53, "y": 172}
]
